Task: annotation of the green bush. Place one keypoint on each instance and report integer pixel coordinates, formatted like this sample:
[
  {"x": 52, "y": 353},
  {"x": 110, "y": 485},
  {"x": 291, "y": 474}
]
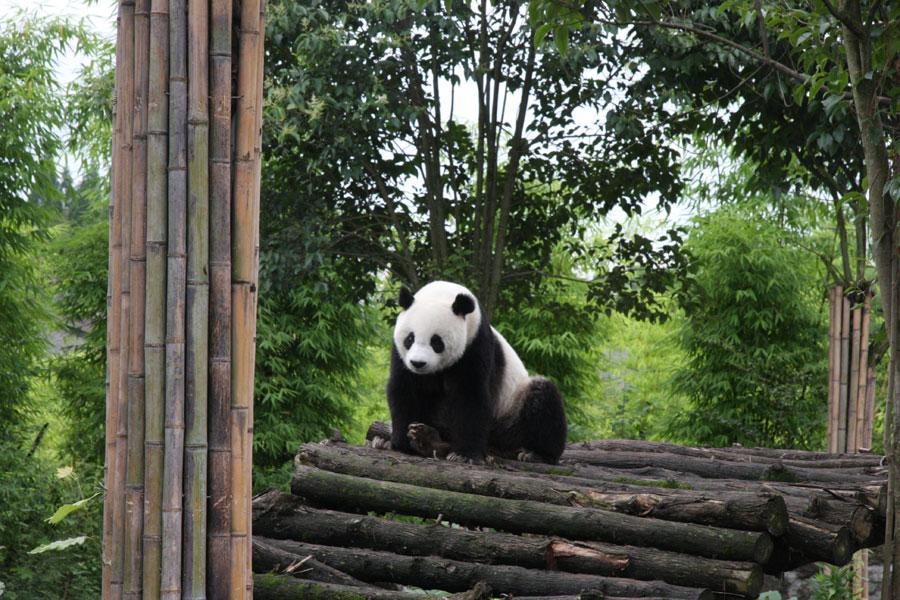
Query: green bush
[
  {"x": 79, "y": 267},
  {"x": 557, "y": 335},
  {"x": 312, "y": 341},
  {"x": 755, "y": 338},
  {"x": 30, "y": 492}
]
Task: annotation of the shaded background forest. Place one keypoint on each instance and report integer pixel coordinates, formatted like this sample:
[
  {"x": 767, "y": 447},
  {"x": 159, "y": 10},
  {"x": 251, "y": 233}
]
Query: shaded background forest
[{"x": 653, "y": 220}]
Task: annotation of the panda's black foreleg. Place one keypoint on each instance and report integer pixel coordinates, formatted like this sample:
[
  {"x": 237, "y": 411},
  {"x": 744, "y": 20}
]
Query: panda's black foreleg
[
  {"x": 469, "y": 422},
  {"x": 405, "y": 405},
  {"x": 427, "y": 441},
  {"x": 538, "y": 429}
]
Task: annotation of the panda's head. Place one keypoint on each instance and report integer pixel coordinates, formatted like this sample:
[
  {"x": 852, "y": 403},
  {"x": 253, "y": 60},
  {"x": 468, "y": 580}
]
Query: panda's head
[{"x": 436, "y": 326}]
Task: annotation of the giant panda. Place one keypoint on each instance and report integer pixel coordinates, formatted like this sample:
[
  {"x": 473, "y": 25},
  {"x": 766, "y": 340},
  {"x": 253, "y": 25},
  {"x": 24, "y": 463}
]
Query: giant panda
[{"x": 457, "y": 389}]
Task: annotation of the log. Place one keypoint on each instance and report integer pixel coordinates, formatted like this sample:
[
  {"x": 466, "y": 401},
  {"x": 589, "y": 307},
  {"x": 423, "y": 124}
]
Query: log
[
  {"x": 753, "y": 512},
  {"x": 736, "y": 453},
  {"x": 358, "y": 494},
  {"x": 817, "y": 460},
  {"x": 869, "y": 493},
  {"x": 458, "y": 576},
  {"x": 268, "y": 558},
  {"x": 268, "y": 586},
  {"x": 283, "y": 516},
  {"x": 858, "y": 519},
  {"x": 818, "y": 541},
  {"x": 713, "y": 469}
]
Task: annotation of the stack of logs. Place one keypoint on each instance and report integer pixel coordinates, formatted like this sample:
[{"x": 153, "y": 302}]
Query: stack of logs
[{"x": 615, "y": 519}]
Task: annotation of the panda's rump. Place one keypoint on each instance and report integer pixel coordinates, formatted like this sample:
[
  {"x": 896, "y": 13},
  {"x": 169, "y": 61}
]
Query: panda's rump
[{"x": 511, "y": 378}]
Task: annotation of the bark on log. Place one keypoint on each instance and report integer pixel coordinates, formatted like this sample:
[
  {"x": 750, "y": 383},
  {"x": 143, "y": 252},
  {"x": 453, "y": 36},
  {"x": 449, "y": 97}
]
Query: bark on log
[
  {"x": 649, "y": 480},
  {"x": 268, "y": 586},
  {"x": 752, "y": 512},
  {"x": 816, "y": 541},
  {"x": 792, "y": 458},
  {"x": 458, "y": 576},
  {"x": 284, "y": 516},
  {"x": 858, "y": 519},
  {"x": 717, "y": 469},
  {"x": 518, "y": 516},
  {"x": 804, "y": 458},
  {"x": 268, "y": 558}
]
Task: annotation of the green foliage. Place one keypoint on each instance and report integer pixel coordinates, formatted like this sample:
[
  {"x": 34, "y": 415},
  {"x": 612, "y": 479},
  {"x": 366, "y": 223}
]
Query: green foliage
[
  {"x": 638, "y": 362},
  {"x": 557, "y": 336},
  {"x": 754, "y": 336},
  {"x": 33, "y": 561},
  {"x": 311, "y": 343},
  {"x": 79, "y": 267},
  {"x": 833, "y": 583},
  {"x": 377, "y": 168}
]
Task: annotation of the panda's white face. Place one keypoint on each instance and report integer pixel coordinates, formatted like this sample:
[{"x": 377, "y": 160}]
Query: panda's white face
[{"x": 436, "y": 328}]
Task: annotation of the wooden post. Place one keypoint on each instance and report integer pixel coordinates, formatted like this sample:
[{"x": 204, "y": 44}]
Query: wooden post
[
  {"x": 833, "y": 361},
  {"x": 178, "y": 415},
  {"x": 220, "y": 496},
  {"x": 850, "y": 392},
  {"x": 844, "y": 367}
]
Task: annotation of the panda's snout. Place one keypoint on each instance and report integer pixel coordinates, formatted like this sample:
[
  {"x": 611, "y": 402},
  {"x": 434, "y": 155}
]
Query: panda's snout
[{"x": 417, "y": 364}]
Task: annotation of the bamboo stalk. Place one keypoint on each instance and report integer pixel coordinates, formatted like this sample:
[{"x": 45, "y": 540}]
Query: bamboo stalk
[
  {"x": 870, "y": 405},
  {"x": 134, "y": 477},
  {"x": 123, "y": 137},
  {"x": 219, "y": 507},
  {"x": 844, "y": 374},
  {"x": 832, "y": 375},
  {"x": 170, "y": 585},
  {"x": 197, "y": 323},
  {"x": 862, "y": 417},
  {"x": 248, "y": 464},
  {"x": 155, "y": 314},
  {"x": 113, "y": 286},
  {"x": 853, "y": 383},
  {"x": 244, "y": 289}
]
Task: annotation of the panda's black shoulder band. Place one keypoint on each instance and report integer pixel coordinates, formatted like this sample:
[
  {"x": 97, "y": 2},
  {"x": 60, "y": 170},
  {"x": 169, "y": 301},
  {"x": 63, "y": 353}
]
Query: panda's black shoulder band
[
  {"x": 406, "y": 298},
  {"x": 463, "y": 305}
]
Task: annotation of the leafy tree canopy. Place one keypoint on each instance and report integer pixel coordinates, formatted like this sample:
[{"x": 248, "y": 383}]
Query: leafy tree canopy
[{"x": 369, "y": 159}]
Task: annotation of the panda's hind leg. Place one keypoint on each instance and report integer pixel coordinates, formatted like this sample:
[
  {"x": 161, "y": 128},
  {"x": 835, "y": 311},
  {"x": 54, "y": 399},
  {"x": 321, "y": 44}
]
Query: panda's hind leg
[{"x": 537, "y": 432}]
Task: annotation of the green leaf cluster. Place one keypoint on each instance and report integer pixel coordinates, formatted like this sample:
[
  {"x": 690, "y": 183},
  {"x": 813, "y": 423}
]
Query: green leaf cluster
[{"x": 755, "y": 337}]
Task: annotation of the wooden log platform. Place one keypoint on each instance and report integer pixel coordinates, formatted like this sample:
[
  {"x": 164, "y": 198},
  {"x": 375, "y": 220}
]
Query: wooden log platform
[{"x": 614, "y": 519}]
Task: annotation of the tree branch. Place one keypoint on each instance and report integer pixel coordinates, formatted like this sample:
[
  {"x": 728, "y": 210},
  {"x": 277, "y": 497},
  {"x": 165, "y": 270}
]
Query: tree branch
[
  {"x": 843, "y": 18},
  {"x": 755, "y": 54}
]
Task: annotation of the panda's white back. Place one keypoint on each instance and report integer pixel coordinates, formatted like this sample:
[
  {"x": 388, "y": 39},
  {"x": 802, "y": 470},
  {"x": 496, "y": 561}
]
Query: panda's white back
[{"x": 515, "y": 379}]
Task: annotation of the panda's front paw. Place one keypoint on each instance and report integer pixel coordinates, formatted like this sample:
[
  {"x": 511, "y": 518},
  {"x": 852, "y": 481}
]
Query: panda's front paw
[
  {"x": 426, "y": 440},
  {"x": 455, "y": 457},
  {"x": 528, "y": 456},
  {"x": 380, "y": 443}
]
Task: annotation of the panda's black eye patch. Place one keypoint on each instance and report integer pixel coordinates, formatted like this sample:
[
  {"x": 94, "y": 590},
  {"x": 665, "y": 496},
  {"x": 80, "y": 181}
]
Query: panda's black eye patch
[
  {"x": 437, "y": 344},
  {"x": 408, "y": 342}
]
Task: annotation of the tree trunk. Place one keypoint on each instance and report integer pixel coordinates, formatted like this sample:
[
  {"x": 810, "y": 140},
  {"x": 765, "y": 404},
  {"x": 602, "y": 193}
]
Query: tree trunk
[
  {"x": 748, "y": 511},
  {"x": 458, "y": 576},
  {"x": 517, "y": 516},
  {"x": 285, "y": 516}
]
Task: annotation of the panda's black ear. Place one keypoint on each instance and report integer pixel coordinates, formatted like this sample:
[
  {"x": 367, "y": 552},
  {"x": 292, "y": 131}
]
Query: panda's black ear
[
  {"x": 463, "y": 305},
  {"x": 406, "y": 298}
]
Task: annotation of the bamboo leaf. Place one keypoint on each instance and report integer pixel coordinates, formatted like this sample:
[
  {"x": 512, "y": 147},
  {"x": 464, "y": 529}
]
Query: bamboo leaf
[
  {"x": 59, "y": 544},
  {"x": 66, "y": 509}
]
